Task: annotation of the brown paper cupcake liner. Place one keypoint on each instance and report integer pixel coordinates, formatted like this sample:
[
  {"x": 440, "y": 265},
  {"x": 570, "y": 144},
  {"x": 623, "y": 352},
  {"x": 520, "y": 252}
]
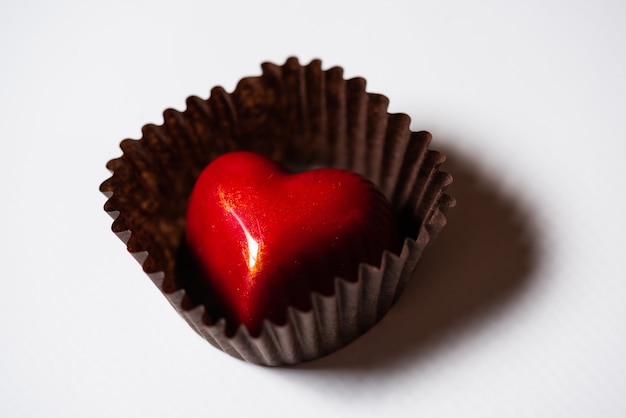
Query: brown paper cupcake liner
[{"x": 301, "y": 116}]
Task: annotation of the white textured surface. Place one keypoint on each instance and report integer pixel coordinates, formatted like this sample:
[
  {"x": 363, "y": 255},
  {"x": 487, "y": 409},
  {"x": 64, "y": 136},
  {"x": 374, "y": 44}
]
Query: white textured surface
[{"x": 517, "y": 311}]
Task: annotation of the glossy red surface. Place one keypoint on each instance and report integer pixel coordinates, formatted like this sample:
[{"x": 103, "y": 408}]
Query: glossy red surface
[{"x": 265, "y": 238}]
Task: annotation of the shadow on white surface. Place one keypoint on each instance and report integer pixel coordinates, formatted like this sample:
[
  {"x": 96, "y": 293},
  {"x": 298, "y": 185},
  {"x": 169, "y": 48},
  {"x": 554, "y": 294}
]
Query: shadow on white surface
[{"x": 482, "y": 261}]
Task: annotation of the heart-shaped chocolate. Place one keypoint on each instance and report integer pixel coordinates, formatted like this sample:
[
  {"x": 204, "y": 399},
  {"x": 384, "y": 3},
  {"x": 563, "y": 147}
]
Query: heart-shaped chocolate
[{"x": 265, "y": 239}]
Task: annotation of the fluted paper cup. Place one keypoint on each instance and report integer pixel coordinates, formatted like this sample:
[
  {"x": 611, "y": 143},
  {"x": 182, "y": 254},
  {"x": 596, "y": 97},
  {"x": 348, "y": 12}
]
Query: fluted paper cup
[{"x": 302, "y": 117}]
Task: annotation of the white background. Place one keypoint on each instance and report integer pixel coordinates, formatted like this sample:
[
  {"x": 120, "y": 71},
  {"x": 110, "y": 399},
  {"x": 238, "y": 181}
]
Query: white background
[{"x": 519, "y": 308}]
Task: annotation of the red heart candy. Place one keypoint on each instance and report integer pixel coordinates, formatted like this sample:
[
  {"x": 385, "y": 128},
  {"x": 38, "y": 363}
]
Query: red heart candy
[{"x": 264, "y": 238}]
